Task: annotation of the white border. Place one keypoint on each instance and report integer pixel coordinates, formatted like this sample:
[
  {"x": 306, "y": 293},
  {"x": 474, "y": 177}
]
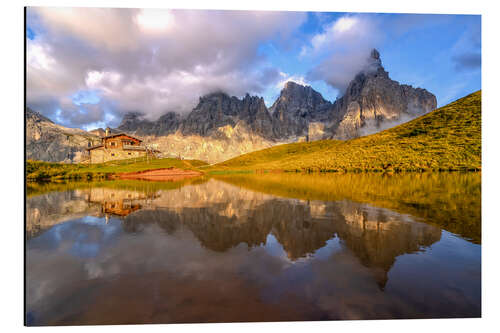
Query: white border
[{"x": 12, "y": 162}]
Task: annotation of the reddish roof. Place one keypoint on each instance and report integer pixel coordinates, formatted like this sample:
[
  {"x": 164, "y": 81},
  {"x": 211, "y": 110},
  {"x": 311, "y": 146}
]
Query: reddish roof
[{"x": 120, "y": 134}]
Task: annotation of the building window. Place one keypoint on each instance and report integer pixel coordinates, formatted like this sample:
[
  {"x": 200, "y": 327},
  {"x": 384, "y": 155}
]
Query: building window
[{"x": 113, "y": 144}]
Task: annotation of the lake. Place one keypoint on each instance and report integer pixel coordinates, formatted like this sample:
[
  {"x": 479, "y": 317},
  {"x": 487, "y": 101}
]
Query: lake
[{"x": 256, "y": 247}]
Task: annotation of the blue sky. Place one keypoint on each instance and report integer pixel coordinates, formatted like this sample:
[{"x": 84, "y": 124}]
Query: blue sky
[
  {"x": 87, "y": 75},
  {"x": 422, "y": 55}
]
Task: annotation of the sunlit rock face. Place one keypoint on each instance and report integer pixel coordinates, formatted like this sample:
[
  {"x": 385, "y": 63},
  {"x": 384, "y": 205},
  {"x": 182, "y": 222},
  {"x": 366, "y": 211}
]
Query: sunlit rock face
[
  {"x": 224, "y": 143},
  {"x": 373, "y": 102}
]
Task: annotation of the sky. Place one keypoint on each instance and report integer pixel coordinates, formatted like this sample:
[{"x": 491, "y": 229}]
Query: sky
[{"x": 87, "y": 67}]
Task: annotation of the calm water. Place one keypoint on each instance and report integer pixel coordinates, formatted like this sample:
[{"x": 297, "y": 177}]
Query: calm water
[{"x": 254, "y": 248}]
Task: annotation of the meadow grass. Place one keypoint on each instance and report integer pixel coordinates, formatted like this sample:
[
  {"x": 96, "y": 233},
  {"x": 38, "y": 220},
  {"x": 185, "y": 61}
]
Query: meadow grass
[{"x": 39, "y": 170}]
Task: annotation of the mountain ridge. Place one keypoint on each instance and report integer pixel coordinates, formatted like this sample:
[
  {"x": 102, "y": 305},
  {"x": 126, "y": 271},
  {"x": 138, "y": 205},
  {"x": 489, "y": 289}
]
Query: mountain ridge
[
  {"x": 221, "y": 126},
  {"x": 300, "y": 112},
  {"x": 448, "y": 138}
]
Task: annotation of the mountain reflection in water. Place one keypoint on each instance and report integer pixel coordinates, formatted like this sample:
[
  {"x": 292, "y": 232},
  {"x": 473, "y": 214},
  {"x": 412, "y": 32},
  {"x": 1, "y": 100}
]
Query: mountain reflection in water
[{"x": 220, "y": 250}]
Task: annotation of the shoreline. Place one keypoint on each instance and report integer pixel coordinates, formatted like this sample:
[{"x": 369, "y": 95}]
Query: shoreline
[{"x": 162, "y": 174}]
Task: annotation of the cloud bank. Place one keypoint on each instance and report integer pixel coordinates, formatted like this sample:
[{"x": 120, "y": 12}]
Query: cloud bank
[
  {"x": 346, "y": 44},
  {"x": 86, "y": 67},
  {"x": 152, "y": 61}
]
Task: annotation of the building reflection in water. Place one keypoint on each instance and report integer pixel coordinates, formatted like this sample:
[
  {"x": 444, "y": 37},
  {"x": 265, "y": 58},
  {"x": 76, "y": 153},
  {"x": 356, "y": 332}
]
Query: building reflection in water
[{"x": 117, "y": 202}]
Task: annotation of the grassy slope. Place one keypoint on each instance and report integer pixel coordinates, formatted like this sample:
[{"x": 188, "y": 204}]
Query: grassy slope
[
  {"x": 36, "y": 170},
  {"x": 448, "y": 138}
]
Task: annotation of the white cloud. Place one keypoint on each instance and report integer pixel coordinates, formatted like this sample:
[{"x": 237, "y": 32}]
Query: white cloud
[
  {"x": 151, "y": 61},
  {"x": 154, "y": 21},
  {"x": 343, "y": 47},
  {"x": 285, "y": 77},
  {"x": 344, "y": 24},
  {"x": 38, "y": 56},
  {"x": 102, "y": 27},
  {"x": 104, "y": 81}
]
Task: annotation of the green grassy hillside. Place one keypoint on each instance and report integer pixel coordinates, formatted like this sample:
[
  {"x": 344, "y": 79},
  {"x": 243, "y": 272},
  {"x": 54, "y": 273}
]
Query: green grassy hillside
[{"x": 448, "y": 138}]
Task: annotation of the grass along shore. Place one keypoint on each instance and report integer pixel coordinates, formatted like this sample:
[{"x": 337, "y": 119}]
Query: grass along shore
[
  {"x": 39, "y": 170},
  {"x": 446, "y": 139}
]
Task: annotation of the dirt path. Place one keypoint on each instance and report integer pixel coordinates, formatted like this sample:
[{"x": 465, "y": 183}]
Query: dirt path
[{"x": 168, "y": 174}]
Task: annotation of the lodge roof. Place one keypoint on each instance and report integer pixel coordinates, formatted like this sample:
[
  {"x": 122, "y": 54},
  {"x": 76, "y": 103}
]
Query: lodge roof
[
  {"x": 127, "y": 147},
  {"x": 120, "y": 134}
]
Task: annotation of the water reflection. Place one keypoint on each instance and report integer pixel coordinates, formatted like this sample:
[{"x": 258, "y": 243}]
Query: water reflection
[{"x": 220, "y": 251}]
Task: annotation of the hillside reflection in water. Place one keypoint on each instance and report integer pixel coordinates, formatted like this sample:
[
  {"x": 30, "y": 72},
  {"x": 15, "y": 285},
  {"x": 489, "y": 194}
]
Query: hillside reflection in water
[{"x": 254, "y": 248}]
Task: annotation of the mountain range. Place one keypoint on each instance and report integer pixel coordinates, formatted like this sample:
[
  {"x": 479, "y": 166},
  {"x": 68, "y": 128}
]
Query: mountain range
[{"x": 222, "y": 126}]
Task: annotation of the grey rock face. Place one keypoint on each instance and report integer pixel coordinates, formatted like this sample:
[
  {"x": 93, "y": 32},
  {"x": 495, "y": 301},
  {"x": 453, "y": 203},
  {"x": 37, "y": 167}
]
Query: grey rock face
[
  {"x": 213, "y": 111},
  {"x": 134, "y": 123},
  {"x": 296, "y": 107},
  {"x": 256, "y": 116},
  {"x": 218, "y": 110},
  {"x": 50, "y": 142},
  {"x": 100, "y": 132}
]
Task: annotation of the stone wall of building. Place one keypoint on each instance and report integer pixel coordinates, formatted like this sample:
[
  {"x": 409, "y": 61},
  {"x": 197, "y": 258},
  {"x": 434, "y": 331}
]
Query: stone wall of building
[{"x": 101, "y": 155}]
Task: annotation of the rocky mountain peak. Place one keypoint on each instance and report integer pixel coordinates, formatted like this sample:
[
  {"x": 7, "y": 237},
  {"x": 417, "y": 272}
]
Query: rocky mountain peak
[
  {"x": 130, "y": 119},
  {"x": 297, "y": 94},
  {"x": 292, "y": 88},
  {"x": 34, "y": 116},
  {"x": 296, "y": 106},
  {"x": 373, "y": 102},
  {"x": 374, "y": 63},
  {"x": 375, "y": 54},
  {"x": 219, "y": 109},
  {"x": 136, "y": 123}
]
